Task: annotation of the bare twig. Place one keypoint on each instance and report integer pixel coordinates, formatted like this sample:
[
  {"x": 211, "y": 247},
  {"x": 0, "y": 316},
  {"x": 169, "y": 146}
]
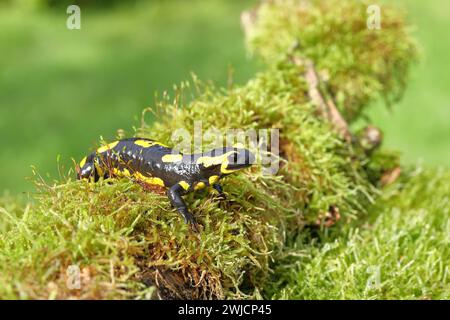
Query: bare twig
[
  {"x": 313, "y": 86},
  {"x": 390, "y": 176},
  {"x": 326, "y": 106},
  {"x": 323, "y": 101},
  {"x": 338, "y": 121}
]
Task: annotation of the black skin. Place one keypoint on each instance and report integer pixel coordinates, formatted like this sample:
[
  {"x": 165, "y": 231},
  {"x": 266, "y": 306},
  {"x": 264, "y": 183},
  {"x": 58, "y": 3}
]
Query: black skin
[
  {"x": 219, "y": 189},
  {"x": 147, "y": 159},
  {"x": 174, "y": 194}
]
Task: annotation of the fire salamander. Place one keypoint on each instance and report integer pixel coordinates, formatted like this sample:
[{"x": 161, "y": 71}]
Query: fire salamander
[{"x": 152, "y": 163}]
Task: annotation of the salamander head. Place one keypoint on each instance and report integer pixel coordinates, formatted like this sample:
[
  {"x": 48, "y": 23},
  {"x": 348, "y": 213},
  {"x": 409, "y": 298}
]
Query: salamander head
[
  {"x": 86, "y": 169},
  {"x": 223, "y": 161},
  {"x": 237, "y": 159}
]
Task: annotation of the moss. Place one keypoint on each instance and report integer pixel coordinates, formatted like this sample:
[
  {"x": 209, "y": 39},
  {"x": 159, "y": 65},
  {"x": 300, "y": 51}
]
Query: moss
[
  {"x": 398, "y": 251},
  {"x": 127, "y": 241},
  {"x": 361, "y": 64}
]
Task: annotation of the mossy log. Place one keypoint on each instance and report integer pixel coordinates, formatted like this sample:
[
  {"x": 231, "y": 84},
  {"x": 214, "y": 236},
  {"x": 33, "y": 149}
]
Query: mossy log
[{"x": 128, "y": 241}]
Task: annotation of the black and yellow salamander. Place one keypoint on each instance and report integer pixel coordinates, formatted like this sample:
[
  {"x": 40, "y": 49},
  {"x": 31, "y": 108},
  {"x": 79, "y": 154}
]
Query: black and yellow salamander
[{"x": 152, "y": 163}]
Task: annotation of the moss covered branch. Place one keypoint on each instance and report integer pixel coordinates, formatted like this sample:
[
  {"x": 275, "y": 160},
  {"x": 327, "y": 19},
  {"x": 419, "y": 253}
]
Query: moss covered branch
[{"x": 129, "y": 243}]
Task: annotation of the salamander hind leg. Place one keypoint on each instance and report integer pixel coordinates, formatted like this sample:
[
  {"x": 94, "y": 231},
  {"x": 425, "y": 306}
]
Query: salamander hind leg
[{"x": 175, "y": 196}]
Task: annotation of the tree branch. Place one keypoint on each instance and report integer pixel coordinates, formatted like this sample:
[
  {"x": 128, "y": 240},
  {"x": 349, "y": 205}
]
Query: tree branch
[{"x": 322, "y": 100}]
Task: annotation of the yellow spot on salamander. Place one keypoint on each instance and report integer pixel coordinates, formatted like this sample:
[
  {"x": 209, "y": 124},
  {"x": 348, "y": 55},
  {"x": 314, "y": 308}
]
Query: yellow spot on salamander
[
  {"x": 210, "y": 161},
  {"x": 83, "y": 162},
  {"x": 148, "y": 143},
  {"x": 107, "y": 147},
  {"x": 172, "y": 158},
  {"x": 149, "y": 180},
  {"x": 99, "y": 169},
  {"x": 121, "y": 173},
  {"x": 224, "y": 168},
  {"x": 199, "y": 185},
  {"x": 213, "y": 179},
  {"x": 144, "y": 143},
  {"x": 161, "y": 144},
  {"x": 184, "y": 185}
]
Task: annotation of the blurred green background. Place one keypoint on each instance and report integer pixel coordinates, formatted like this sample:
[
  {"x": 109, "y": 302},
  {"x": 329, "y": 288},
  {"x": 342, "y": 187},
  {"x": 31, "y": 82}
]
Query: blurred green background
[{"x": 60, "y": 89}]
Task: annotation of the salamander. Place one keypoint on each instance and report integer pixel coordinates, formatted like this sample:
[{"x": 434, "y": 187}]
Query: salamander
[{"x": 152, "y": 163}]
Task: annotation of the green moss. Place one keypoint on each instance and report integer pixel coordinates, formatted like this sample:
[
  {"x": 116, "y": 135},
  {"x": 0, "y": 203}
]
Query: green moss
[
  {"x": 361, "y": 64},
  {"x": 399, "y": 251},
  {"x": 126, "y": 240}
]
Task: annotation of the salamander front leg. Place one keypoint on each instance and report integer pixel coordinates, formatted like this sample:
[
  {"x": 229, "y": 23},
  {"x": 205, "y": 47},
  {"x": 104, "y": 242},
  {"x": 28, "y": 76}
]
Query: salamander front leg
[
  {"x": 174, "y": 194},
  {"x": 219, "y": 189}
]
